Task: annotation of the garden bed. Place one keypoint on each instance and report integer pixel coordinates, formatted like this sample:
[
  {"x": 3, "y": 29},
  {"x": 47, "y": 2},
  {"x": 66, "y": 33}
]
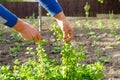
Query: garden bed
[{"x": 100, "y": 38}]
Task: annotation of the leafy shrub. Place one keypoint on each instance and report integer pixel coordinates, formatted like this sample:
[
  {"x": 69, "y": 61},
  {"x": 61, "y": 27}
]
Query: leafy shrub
[{"x": 43, "y": 68}]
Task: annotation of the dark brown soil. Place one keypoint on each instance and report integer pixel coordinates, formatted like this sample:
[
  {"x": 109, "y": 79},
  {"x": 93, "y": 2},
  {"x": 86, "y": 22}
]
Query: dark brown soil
[{"x": 106, "y": 46}]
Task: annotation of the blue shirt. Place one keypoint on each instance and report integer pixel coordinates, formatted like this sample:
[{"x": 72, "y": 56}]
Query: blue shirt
[{"x": 9, "y": 19}]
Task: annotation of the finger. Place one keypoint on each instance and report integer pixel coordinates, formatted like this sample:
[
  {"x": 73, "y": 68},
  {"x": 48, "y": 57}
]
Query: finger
[
  {"x": 38, "y": 38},
  {"x": 26, "y": 37},
  {"x": 67, "y": 39},
  {"x": 35, "y": 39},
  {"x": 71, "y": 35},
  {"x": 65, "y": 36}
]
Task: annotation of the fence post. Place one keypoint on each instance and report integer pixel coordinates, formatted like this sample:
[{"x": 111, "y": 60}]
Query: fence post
[{"x": 40, "y": 17}]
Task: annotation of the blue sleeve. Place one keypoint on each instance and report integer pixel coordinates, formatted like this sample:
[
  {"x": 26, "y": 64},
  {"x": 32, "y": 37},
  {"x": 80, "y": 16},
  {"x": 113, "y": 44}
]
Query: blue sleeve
[
  {"x": 52, "y": 6},
  {"x": 8, "y": 18}
]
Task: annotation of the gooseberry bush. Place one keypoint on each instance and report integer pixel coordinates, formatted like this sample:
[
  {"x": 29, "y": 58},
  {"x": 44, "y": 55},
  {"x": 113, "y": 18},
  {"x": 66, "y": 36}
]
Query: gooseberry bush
[{"x": 41, "y": 67}]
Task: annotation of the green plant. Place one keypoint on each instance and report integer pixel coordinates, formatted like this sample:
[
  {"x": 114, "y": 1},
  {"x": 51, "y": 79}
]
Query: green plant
[
  {"x": 43, "y": 68},
  {"x": 40, "y": 67},
  {"x": 56, "y": 31},
  {"x": 98, "y": 51},
  {"x": 113, "y": 24},
  {"x": 112, "y": 31},
  {"x": 16, "y": 36},
  {"x": 104, "y": 59},
  {"x": 5, "y": 73},
  {"x": 87, "y": 8},
  {"x": 56, "y": 48},
  {"x": 93, "y": 36},
  {"x": 78, "y": 23},
  {"x": 70, "y": 58},
  {"x": 117, "y": 38},
  {"x": 14, "y": 51},
  {"x": 91, "y": 33},
  {"x": 1, "y": 32},
  {"x": 100, "y": 25},
  {"x": 4, "y": 40},
  {"x": 101, "y": 1},
  {"x": 48, "y": 14},
  {"x": 108, "y": 47},
  {"x": 111, "y": 16},
  {"x": 87, "y": 25},
  {"x": 32, "y": 20}
]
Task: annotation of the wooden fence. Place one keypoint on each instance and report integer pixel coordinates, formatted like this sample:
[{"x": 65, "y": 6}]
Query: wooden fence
[
  {"x": 76, "y": 7},
  {"x": 70, "y": 7},
  {"x": 22, "y": 9}
]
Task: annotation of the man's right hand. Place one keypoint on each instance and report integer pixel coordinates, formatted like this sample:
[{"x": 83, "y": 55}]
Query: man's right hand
[
  {"x": 65, "y": 26},
  {"x": 27, "y": 31}
]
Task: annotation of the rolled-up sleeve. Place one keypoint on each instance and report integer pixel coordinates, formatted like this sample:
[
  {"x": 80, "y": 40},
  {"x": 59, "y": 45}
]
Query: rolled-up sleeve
[
  {"x": 7, "y": 17},
  {"x": 52, "y": 6}
]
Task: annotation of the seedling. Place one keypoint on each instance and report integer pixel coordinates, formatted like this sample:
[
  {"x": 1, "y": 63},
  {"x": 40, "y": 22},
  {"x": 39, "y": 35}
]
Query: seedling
[
  {"x": 87, "y": 25},
  {"x": 4, "y": 40},
  {"x": 1, "y": 32},
  {"x": 113, "y": 31},
  {"x": 117, "y": 38},
  {"x": 87, "y": 8},
  {"x": 104, "y": 59},
  {"x": 78, "y": 24},
  {"x": 100, "y": 25},
  {"x": 16, "y": 36},
  {"x": 108, "y": 47},
  {"x": 15, "y": 50},
  {"x": 101, "y": 1},
  {"x": 32, "y": 20},
  {"x": 56, "y": 49},
  {"x": 98, "y": 51},
  {"x": 93, "y": 36}
]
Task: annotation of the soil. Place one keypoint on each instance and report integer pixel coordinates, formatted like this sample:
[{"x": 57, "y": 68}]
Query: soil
[{"x": 104, "y": 47}]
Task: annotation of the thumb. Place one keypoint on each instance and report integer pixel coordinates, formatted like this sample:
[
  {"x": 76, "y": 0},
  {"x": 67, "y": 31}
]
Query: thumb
[{"x": 65, "y": 36}]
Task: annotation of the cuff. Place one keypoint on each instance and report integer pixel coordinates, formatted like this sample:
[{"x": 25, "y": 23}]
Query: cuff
[
  {"x": 53, "y": 7},
  {"x": 10, "y": 18}
]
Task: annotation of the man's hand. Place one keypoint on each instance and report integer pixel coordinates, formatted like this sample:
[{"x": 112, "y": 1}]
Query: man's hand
[
  {"x": 64, "y": 26},
  {"x": 27, "y": 31}
]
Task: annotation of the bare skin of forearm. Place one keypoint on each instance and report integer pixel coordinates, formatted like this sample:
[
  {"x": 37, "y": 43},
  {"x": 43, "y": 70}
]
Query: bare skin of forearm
[{"x": 64, "y": 26}]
